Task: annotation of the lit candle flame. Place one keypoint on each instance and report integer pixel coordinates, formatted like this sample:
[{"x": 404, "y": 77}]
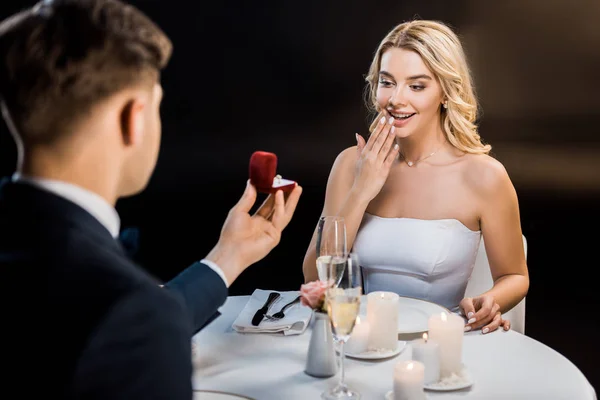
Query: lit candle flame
[
  {"x": 382, "y": 295},
  {"x": 410, "y": 366},
  {"x": 357, "y": 320},
  {"x": 444, "y": 317},
  {"x": 425, "y": 337}
]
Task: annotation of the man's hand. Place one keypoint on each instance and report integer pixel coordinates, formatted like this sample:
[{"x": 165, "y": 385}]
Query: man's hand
[{"x": 246, "y": 239}]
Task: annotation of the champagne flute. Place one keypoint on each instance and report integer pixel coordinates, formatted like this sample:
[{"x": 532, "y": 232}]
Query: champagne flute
[
  {"x": 331, "y": 248},
  {"x": 343, "y": 304}
]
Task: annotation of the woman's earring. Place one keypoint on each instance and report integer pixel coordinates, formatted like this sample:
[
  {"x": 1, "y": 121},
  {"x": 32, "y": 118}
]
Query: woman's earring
[{"x": 446, "y": 104}]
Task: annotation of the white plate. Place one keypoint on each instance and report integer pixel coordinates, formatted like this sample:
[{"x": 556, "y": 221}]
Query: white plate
[
  {"x": 378, "y": 355},
  {"x": 217, "y": 395},
  {"x": 413, "y": 314},
  {"x": 390, "y": 395},
  {"x": 463, "y": 381}
]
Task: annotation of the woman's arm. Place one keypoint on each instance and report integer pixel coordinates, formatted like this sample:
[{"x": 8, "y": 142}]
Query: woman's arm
[
  {"x": 502, "y": 235},
  {"x": 340, "y": 199}
]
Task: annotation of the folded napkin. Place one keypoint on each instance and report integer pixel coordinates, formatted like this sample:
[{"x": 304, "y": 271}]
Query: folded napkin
[{"x": 295, "y": 321}]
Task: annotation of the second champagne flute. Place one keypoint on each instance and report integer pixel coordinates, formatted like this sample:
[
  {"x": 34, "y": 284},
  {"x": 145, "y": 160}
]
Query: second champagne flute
[{"x": 343, "y": 304}]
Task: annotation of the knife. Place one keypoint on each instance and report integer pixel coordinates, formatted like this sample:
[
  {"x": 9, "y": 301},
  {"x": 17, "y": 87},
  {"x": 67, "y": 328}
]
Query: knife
[{"x": 260, "y": 314}]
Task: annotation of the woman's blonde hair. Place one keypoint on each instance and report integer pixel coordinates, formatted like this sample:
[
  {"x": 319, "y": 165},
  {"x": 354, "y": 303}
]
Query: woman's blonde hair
[{"x": 441, "y": 50}]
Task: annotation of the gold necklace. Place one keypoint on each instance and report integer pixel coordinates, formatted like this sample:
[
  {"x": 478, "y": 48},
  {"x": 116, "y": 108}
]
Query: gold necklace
[{"x": 411, "y": 163}]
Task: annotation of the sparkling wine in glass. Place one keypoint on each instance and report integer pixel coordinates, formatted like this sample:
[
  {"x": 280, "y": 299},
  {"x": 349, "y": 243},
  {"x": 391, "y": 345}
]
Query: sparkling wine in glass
[
  {"x": 331, "y": 248},
  {"x": 343, "y": 304}
]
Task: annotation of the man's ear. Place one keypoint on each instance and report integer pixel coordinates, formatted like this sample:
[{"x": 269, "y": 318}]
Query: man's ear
[{"x": 132, "y": 122}]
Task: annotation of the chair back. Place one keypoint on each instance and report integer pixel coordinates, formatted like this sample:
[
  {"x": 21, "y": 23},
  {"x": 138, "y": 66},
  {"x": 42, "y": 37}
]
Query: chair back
[{"x": 481, "y": 281}]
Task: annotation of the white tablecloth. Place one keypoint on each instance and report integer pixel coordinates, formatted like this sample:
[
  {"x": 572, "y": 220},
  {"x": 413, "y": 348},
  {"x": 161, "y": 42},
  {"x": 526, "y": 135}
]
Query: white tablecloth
[{"x": 504, "y": 365}]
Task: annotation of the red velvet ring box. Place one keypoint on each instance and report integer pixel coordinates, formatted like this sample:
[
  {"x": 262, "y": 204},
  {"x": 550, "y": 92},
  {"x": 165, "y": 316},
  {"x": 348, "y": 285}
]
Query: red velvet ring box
[{"x": 263, "y": 166}]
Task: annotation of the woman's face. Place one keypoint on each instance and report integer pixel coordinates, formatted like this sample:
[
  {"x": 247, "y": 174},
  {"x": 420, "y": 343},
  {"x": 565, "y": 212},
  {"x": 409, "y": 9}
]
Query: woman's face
[{"x": 409, "y": 92}]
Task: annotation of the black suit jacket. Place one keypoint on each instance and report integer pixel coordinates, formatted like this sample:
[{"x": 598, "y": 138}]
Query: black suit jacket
[{"x": 110, "y": 332}]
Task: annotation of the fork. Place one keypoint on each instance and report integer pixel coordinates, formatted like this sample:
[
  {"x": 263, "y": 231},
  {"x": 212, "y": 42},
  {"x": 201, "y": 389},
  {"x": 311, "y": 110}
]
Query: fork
[{"x": 280, "y": 314}]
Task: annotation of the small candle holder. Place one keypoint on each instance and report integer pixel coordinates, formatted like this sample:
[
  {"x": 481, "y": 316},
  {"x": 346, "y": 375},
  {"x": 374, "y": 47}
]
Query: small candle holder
[{"x": 455, "y": 381}]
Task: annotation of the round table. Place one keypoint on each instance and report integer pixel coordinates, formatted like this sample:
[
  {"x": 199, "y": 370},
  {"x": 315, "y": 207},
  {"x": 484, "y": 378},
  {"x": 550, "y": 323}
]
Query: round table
[{"x": 503, "y": 365}]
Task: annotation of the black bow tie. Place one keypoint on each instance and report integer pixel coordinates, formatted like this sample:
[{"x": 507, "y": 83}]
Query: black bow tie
[{"x": 130, "y": 240}]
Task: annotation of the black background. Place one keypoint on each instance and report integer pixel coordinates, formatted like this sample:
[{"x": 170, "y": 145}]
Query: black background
[{"x": 288, "y": 77}]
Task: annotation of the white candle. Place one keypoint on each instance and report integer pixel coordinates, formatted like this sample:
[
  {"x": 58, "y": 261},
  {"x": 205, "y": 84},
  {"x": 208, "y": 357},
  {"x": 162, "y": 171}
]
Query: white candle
[
  {"x": 428, "y": 352},
  {"x": 408, "y": 380},
  {"x": 382, "y": 314},
  {"x": 448, "y": 331},
  {"x": 359, "y": 340}
]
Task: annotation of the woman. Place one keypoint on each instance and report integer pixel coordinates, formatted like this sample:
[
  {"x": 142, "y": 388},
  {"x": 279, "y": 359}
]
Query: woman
[{"x": 418, "y": 195}]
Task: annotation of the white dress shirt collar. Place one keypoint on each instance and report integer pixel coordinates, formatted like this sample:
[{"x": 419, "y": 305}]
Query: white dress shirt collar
[{"x": 89, "y": 201}]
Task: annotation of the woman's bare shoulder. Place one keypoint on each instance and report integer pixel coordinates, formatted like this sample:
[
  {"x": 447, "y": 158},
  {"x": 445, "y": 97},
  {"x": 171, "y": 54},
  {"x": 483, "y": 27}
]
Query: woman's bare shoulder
[
  {"x": 345, "y": 160},
  {"x": 348, "y": 155},
  {"x": 485, "y": 174}
]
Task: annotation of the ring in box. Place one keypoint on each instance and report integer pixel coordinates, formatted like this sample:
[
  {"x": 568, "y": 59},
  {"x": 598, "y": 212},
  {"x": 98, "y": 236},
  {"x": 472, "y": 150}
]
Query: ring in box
[{"x": 263, "y": 166}]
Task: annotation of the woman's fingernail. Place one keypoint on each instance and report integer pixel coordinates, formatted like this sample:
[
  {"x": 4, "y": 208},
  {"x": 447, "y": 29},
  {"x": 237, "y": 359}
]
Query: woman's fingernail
[
  {"x": 382, "y": 120},
  {"x": 356, "y": 136},
  {"x": 392, "y": 130},
  {"x": 485, "y": 330},
  {"x": 468, "y": 328},
  {"x": 470, "y": 314},
  {"x": 391, "y": 120},
  {"x": 396, "y": 146},
  {"x": 471, "y": 321}
]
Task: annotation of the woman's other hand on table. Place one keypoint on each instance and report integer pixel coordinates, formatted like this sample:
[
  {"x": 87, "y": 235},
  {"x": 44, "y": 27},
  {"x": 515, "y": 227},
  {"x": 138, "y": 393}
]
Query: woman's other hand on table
[{"x": 482, "y": 312}]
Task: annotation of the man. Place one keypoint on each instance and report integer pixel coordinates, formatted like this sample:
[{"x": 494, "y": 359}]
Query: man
[{"x": 80, "y": 92}]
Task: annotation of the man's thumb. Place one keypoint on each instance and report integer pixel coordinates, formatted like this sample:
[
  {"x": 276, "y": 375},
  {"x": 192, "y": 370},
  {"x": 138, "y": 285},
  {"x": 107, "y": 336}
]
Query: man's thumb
[{"x": 248, "y": 198}]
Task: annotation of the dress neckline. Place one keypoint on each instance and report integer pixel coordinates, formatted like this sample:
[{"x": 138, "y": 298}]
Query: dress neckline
[{"x": 425, "y": 220}]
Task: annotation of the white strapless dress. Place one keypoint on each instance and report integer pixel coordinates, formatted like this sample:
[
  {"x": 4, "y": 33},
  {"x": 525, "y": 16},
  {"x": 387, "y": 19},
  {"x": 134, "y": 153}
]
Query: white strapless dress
[{"x": 425, "y": 259}]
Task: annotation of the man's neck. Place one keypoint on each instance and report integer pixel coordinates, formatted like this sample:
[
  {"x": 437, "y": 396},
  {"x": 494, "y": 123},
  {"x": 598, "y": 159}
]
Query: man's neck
[{"x": 79, "y": 174}]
